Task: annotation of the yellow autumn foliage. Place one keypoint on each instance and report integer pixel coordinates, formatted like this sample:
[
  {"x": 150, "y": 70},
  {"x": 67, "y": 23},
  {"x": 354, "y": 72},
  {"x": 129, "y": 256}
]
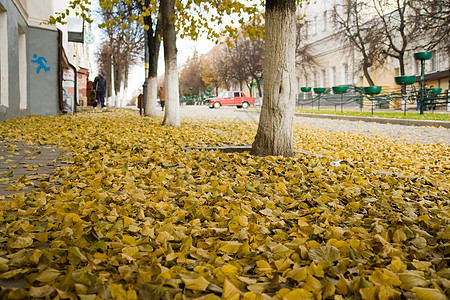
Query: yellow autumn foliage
[{"x": 137, "y": 209}]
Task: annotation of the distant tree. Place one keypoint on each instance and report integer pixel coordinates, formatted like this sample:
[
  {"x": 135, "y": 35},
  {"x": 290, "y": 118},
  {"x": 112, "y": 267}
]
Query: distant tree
[
  {"x": 209, "y": 68},
  {"x": 104, "y": 56},
  {"x": 123, "y": 45},
  {"x": 397, "y": 27},
  {"x": 249, "y": 56},
  {"x": 238, "y": 71},
  {"x": 191, "y": 76},
  {"x": 433, "y": 17},
  {"x": 358, "y": 29},
  {"x": 304, "y": 58},
  {"x": 255, "y": 60},
  {"x": 223, "y": 68}
]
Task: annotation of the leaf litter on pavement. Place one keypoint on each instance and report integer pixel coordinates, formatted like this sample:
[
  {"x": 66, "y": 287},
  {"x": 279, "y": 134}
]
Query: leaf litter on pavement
[{"x": 133, "y": 215}]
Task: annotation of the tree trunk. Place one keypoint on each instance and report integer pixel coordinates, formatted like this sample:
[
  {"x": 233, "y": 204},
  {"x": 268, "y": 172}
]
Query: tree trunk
[
  {"x": 250, "y": 88},
  {"x": 275, "y": 132},
  {"x": 152, "y": 83},
  {"x": 117, "y": 76},
  {"x": 401, "y": 63},
  {"x": 366, "y": 66},
  {"x": 153, "y": 44},
  {"x": 172, "y": 105},
  {"x": 258, "y": 85},
  {"x": 152, "y": 95},
  {"x": 123, "y": 91}
]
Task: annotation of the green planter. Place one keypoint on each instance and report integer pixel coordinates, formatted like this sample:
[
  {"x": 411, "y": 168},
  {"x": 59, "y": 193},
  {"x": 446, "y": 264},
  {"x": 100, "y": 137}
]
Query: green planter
[
  {"x": 340, "y": 89},
  {"x": 372, "y": 90},
  {"x": 403, "y": 80},
  {"x": 423, "y": 55},
  {"x": 435, "y": 91},
  {"x": 319, "y": 90},
  {"x": 305, "y": 89}
]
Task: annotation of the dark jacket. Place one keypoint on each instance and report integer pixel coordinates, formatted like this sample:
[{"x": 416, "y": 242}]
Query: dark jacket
[{"x": 99, "y": 84}]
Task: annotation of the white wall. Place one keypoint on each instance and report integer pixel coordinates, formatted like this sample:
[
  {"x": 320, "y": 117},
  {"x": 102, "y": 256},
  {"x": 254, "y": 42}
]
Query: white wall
[
  {"x": 37, "y": 11},
  {"x": 77, "y": 53},
  {"x": 23, "y": 74},
  {"x": 4, "y": 87}
]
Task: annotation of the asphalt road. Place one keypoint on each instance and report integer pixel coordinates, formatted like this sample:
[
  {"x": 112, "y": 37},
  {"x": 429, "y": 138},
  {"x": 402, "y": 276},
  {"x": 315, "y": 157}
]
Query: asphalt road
[{"x": 410, "y": 133}]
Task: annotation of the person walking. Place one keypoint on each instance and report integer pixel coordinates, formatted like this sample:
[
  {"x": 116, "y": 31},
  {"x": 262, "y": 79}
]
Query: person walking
[
  {"x": 99, "y": 87},
  {"x": 419, "y": 99},
  {"x": 162, "y": 97}
]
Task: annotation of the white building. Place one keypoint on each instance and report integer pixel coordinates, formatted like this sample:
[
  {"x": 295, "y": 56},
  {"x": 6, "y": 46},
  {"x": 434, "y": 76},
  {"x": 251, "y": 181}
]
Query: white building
[{"x": 337, "y": 63}]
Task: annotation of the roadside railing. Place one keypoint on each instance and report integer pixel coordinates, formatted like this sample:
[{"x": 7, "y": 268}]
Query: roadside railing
[{"x": 372, "y": 98}]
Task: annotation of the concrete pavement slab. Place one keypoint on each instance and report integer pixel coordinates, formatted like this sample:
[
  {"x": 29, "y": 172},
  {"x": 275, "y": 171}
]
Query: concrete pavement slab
[{"x": 23, "y": 167}]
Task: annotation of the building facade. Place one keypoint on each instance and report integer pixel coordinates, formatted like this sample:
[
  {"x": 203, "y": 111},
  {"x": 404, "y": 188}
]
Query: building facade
[
  {"x": 34, "y": 65},
  {"x": 337, "y": 64}
]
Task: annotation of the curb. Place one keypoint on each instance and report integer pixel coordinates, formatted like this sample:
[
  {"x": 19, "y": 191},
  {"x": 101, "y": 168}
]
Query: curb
[{"x": 405, "y": 122}]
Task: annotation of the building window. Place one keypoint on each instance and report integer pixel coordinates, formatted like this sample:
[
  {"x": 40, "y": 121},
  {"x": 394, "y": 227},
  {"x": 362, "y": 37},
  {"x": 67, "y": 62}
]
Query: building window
[
  {"x": 416, "y": 67},
  {"x": 333, "y": 76},
  {"x": 324, "y": 79},
  {"x": 3, "y": 57},
  {"x": 433, "y": 64},
  {"x": 325, "y": 21},
  {"x": 315, "y": 79},
  {"x": 22, "y": 53},
  {"x": 345, "y": 74},
  {"x": 305, "y": 80}
]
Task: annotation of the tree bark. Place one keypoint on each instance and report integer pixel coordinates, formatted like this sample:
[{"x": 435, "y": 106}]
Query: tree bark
[
  {"x": 366, "y": 65},
  {"x": 172, "y": 105},
  {"x": 401, "y": 62},
  {"x": 275, "y": 132},
  {"x": 153, "y": 44}
]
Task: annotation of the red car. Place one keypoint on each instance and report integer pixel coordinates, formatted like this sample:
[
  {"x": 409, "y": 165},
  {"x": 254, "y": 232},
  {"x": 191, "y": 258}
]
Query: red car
[{"x": 231, "y": 98}]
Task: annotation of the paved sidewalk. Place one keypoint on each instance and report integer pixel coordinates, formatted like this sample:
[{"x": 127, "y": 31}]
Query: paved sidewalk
[{"x": 24, "y": 167}]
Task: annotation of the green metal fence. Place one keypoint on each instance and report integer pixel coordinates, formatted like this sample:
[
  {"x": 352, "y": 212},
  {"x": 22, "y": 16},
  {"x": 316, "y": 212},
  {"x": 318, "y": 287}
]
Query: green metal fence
[{"x": 373, "y": 98}]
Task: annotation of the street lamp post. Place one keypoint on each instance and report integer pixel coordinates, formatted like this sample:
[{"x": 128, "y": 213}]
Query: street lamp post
[{"x": 422, "y": 56}]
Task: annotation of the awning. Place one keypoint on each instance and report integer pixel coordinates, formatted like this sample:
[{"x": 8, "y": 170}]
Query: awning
[{"x": 435, "y": 75}]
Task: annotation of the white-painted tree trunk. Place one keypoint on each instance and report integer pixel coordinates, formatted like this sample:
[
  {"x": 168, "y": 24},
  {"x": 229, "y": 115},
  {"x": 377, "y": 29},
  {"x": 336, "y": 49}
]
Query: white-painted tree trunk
[
  {"x": 126, "y": 98},
  {"x": 113, "y": 88},
  {"x": 172, "y": 105},
  {"x": 152, "y": 94},
  {"x": 119, "y": 97},
  {"x": 275, "y": 129}
]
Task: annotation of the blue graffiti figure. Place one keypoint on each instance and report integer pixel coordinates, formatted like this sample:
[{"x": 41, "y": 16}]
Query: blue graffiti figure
[{"x": 41, "y": 61}]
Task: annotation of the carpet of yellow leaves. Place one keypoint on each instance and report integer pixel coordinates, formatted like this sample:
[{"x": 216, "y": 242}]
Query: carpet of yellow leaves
[{"x": 134, "y": 215}]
